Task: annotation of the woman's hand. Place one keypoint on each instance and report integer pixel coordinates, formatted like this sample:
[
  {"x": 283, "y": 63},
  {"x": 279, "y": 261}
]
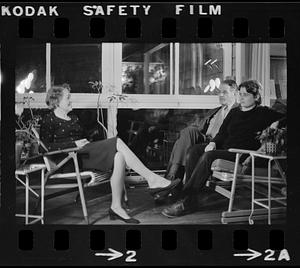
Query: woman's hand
[
  {"x": 81, "y": 143},
  {"x": 210, "y": 147}
]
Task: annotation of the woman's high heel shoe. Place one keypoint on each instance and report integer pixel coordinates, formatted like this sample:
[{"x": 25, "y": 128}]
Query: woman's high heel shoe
[
  {"x": 162, "y": 191},
  {"x": 114, "y": 216}
]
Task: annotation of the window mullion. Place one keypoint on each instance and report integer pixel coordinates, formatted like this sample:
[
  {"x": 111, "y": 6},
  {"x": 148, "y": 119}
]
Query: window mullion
[
  {"x": 171, "y": 68},
  {"x": 176, "y": 69},
  {"x": 112, "y": 80},
  {"x": 146, "y": 72}
]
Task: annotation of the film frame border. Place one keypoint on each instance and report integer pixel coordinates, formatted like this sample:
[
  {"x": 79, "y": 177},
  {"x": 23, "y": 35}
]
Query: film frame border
[{"x": 222, "y": 32}]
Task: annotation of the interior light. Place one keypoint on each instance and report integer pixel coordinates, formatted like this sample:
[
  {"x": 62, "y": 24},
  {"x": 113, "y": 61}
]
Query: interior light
[
  {"x": 212, "y": 84},
  {"x": 30, "y": 76},
  {"x": 207, "y": 62},
  {"x": 25, "y": 84},
  {"x": 217, "y": 82},
  {"x": 151, "y": 80},
  {"x": 21, "y": 87},
  {"x": 214, "y": 61},
  {"x": 206, "y": 89}
]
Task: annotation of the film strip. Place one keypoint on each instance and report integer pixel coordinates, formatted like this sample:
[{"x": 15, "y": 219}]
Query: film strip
[{"x": 161, "y": 59}]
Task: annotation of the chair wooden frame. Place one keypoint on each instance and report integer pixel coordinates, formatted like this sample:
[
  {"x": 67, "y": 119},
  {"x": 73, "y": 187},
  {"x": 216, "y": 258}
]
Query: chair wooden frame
[
  {"x": 71, "y": 156},
  {"x": 233, "y": 180}
]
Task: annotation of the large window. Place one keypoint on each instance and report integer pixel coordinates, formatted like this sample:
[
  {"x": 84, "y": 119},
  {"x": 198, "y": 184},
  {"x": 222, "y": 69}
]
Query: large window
[
  {"x": 156, "y": 75},
  {"x": 175, "y": 68},
  {"x": 147, "y": 69},
  {"x": 153, "y": 76}
]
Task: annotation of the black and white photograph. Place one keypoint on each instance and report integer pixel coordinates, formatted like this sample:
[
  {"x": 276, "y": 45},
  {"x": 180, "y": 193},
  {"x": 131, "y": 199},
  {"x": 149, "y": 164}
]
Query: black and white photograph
[
  {"x": 149, "y": 133},
  {"x": 119, "y": 133}
]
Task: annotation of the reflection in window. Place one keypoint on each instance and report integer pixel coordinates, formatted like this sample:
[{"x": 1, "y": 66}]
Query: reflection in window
[
  {"x": 76, "y": 65},
  {"x": 200, "y": 68},
  {"x": 31, "y": 69},
  {"x": 146, "y": 68}
]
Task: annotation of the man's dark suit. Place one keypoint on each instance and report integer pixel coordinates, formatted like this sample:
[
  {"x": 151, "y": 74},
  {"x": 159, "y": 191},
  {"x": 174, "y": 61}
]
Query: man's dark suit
[{"x": 188, "y": 137}]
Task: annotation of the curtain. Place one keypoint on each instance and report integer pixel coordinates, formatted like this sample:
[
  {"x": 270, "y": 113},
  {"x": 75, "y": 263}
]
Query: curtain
[
  {"x": 260, "y": 68},
  {"x": 190, "y": 72}
]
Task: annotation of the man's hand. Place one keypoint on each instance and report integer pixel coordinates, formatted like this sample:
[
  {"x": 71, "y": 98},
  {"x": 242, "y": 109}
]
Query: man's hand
[
  {"x": 210, "y": 147},
  {"x": 81, "y": 143},
  {"x": 274, "y": 124}
]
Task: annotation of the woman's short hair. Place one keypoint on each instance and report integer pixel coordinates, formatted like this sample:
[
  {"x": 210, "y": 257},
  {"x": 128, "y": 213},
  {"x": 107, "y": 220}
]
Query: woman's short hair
[
  {"x": 253, "y": 87},
  {"x": 54, "y": 95}
]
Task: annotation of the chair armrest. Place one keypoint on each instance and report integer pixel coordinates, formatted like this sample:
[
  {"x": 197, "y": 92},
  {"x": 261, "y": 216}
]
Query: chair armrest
[
  {"x": 234, "y": 150},
  {"x": 69, "y": 150}
]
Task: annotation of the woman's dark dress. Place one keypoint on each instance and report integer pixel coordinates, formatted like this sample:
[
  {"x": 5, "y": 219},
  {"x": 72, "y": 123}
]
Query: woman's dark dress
[{"x": 58, "y": 134}]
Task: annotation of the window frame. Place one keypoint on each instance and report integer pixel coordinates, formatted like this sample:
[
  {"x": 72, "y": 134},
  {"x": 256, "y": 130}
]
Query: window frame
[{"x": 111, "y": 77}]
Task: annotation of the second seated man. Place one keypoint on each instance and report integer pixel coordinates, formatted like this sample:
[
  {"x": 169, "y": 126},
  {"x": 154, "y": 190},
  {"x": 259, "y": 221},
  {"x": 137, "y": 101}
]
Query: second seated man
[{"x": 207, "y": 130}]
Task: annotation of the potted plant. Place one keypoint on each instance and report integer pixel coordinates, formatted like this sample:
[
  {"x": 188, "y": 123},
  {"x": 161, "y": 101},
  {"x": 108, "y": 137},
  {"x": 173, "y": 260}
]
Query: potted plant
[
  {"x": 26, "y": 142},
  {"x": 114, "y": 98},
  {"x": 274, "y": 140}
]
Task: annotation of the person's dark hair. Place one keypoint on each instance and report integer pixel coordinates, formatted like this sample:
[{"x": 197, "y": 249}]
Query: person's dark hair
[
  {"x": 230, "y": 83},
  {"x": 253, "y": 87},
  {"x": 54, "y": 95}
]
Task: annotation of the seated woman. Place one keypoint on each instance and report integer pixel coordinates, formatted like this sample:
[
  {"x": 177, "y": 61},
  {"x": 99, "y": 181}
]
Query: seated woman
[
  {"x": 60, "y": 131},
  {"x": 239, "y": 130}
]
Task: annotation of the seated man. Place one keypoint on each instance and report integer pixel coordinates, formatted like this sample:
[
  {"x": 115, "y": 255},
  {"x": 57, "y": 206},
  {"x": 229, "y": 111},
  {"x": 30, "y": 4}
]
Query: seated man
[
  {"x": 207, "y": 130},
  {"x": 239, "y": 130}
]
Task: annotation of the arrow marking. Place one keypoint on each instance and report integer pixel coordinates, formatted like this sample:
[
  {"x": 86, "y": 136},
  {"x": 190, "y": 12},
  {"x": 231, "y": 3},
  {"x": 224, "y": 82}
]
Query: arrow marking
[
  {"x": 114, "y": 254},
  {"x": 253, "y": 254}
]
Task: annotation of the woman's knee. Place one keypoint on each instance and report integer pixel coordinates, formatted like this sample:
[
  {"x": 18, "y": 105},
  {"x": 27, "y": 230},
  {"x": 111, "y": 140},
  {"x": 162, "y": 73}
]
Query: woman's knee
[
  {"x": 120, "y": 143},
  {"x": 119, "y": 159}
]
